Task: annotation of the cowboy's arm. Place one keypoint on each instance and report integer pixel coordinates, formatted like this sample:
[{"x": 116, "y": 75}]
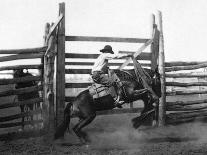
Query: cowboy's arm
[{"x": 118, "y": 56}]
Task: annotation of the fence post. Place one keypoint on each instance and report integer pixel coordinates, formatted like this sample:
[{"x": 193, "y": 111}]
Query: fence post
[
  {"x": 60, "y": 68},
  {"x": 162, "y": 101},
  {"x": 45, "y": 106},
  {"x": 49, "y": 57}
]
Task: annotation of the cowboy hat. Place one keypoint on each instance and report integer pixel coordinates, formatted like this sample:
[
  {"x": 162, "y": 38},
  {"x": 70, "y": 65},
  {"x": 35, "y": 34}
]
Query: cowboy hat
[{"x": 107, "y": 49}]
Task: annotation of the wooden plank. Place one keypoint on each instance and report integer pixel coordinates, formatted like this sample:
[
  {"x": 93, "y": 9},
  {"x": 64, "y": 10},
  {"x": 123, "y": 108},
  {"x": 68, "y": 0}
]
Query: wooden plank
[
  {"x": 17, "y": 116},
  {"x": 142, "y": 56},
  {"x": 186, "y": 75},
  {"x": 184, "y": 120},
  {"x": 24, "y": 51},
  {"x": 77, "y": 71},
  {"x": 77, "y": 85},
  {"x": 190, "y": 67},
  {"x": 183, "y": 103},
  {"x": 21, "y": 79},
  {"x": 105, "y": 39},
  {"x": 162, "y": 100},
  {"x": 182, "y": 63},
  {"x": 21, "y": 56},
  {"x": 60, "y": 68},
  {"x": 187, "y": 114},
  {"x": 20, "y": 91},
  {"x": 54, "y": 26},
  {"x": 7, "y": 125},
  {"x": 186, "y": 108},
  {"x": 110, "y": 64},
  {"x": 15, "y": 104},
  {"x": 190, "y": 92},
  {"x": 136, "y": 54},
  {"x": 21, "y": 67},
  {"x": 180, "y": 84},
  {"x": 155, "y": 34}
]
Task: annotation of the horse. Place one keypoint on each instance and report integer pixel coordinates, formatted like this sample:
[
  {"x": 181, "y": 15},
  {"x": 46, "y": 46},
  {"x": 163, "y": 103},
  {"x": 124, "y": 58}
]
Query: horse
[
  {"x": 26, "y": 96},
  {"x": 85, "y": 106}
]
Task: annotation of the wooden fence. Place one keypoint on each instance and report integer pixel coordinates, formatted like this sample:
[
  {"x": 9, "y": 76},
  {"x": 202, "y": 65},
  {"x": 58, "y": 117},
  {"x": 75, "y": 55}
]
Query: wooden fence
[
  {"x": 44, "y": 57},
  {"x": 184, "y": 102},
  {"x": 10, "y": 106}
]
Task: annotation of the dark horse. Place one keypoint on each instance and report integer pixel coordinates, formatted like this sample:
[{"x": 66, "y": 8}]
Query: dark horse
[
  {"x": 85, "y": 107},
  {"x": 26, "y": 96}
]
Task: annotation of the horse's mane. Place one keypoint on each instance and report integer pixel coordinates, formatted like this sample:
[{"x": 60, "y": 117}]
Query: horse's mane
[
  {"x": 129, "y": 75},
  {"x": 125, "y": 75}
]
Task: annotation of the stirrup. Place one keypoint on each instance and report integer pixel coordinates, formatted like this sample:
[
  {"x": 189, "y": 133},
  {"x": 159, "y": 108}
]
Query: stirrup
[{"x": 118, "y": 103}]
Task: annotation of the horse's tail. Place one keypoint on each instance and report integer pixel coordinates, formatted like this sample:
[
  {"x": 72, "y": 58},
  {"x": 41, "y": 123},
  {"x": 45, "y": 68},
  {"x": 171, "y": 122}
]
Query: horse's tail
[{"x": 65, "y": 123}]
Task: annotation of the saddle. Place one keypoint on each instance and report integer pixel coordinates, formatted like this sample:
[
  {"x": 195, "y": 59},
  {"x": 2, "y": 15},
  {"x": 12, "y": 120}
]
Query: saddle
[{"x": 99, "y": 90}]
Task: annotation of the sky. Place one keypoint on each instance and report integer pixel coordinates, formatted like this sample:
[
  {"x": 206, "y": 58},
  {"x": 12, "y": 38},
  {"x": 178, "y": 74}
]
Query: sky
[{"x": 22, "y": 24}]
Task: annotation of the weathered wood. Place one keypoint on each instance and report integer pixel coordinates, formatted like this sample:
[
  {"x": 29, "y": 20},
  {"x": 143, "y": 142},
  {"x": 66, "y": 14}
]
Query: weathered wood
[
  {"x": 136, "y": 54},
  {"x": 105, "y": 39},
  {"x": 24, "y": 51},
  {"x": 184, "y": 120},
  {"x": 180, "y": 84},
  {"x": 186, "y": 75},
  {"x": 17, "y": 116},
  {"x": 21, "y": 67},
  {"x": 54, "y": 26},
  {"x": 181, "y": 63},
  {"x": 190, "y": 67},
  {"x": 7, "y": 125},
  {"x": 20, "y": 91},
  {"x": 15, "y": 104},
  {"x": 162, "y": 101},
  {"x": 187, "y": 92},
  {"x": 77, "y": 71},
  {"x": 142, "y": 56},
  {"x": 110, "y": 64},
  {"x": 77, "y": 85},
  {"x": 188, "y": 114},
  {"x": 183, "y": 103},
  {"x": 48, "y": 105},
  {"x": 21, "y": 79},
  {"x": 186, "y": 108},
  {"x": 60, "y": 74},
  {"x": 21, "y": 56},
  {"x": 155, "y": 44}
]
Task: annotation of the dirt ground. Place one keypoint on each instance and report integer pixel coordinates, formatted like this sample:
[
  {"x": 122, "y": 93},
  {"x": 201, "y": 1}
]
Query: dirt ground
[{"x": 114, "y": 135}]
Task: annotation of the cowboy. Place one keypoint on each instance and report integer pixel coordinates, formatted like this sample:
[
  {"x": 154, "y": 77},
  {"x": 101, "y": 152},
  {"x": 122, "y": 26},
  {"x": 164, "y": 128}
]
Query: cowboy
[{"x": 100, "y": 67}]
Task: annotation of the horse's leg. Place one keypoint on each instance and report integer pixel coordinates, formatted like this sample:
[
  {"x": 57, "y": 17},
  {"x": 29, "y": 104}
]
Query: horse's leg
[
  {"x": 81, "y": 124},
  {"x": 147, "y": 110}
]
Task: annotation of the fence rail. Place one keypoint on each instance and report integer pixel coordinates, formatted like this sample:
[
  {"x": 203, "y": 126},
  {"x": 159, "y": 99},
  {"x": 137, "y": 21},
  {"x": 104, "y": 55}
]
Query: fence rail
[
  {"x": 105, "y": 39},
  {"x": 24, "y": 51},
  {"x": 22, "y": 79},
  {"x": 21, "y": 91},
  {"x": 19, "y": 103}
]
